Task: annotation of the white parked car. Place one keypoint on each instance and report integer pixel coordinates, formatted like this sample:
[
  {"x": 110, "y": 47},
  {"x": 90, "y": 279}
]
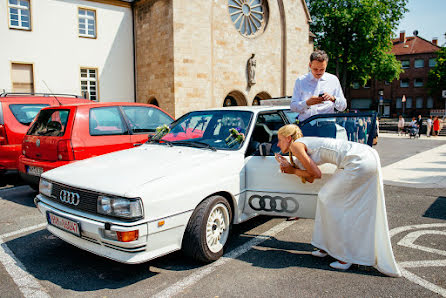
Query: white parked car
[{"x": 185, "y": 190}]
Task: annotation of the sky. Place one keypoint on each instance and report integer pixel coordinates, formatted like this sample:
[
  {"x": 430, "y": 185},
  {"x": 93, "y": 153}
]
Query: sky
[{"x": 426, "y": 16}]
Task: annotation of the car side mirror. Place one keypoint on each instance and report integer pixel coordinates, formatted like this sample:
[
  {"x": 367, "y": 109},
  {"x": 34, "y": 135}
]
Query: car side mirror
[{"x": 265, "y": 149}]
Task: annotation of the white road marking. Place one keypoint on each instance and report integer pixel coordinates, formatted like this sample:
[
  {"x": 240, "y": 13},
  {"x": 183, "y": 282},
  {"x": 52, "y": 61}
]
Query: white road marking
[
  {"x": 193, "y": 278},
  {"x": 422, "y": 282},
  {"x": 408, "y": 241},
  {"x": 28, "y": 285},
  {"x": 21, "y": 231}
]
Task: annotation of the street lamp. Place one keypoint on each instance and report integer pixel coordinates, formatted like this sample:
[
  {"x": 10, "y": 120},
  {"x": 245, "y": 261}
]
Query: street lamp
[{"x": 381, "y": 103}]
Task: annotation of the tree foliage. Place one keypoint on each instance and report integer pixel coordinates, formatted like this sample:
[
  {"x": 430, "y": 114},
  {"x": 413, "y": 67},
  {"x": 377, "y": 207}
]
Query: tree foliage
[
  {"x": 357, "y": 36},
  {"x": 437, "y": 75}
]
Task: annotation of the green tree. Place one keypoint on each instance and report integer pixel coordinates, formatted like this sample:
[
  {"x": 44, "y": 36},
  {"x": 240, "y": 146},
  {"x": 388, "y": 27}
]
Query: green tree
[
  {"x": 357, "y": 36},
  {"x": 437, "y": 75}
]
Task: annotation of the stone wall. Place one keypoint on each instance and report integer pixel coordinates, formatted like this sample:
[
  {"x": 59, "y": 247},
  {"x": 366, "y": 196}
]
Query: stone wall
[
  {"x": 154, "y": 53},
  {"x": 190, "y": 55},
  {"x": 299, "y": 48}
]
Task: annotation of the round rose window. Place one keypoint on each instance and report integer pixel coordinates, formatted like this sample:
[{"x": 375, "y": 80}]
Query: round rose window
[{"x": 249, "y": 16}]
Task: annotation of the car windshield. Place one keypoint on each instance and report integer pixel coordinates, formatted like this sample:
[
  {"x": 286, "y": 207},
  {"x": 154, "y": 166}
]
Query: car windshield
[
  {"x": 25, "y": 113},
  {"x": 223, "y": 129}
]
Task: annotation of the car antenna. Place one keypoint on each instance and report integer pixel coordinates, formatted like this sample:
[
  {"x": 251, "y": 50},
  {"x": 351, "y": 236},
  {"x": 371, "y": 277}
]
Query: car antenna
[{"x": 52, "y": 92}]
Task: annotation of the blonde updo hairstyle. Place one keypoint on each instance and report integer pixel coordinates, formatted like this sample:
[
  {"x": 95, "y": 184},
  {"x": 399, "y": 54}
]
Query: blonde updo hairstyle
[{"x": 293, "y": 131}]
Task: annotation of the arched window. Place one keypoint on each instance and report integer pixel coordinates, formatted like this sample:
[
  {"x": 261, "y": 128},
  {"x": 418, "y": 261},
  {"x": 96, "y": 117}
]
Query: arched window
[
  {"x": 248, "y": 16},
  {"x": 153, "y": 101},
  {"x": 234, "y": 98}
]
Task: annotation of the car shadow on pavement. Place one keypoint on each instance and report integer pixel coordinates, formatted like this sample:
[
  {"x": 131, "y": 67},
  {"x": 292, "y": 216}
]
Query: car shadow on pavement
[
  {"x": 19, "y": 195},
  {"x": 47, "y": 258},
  {"x": 278, "y": 254},
  {"x": 437, "y": 209}
]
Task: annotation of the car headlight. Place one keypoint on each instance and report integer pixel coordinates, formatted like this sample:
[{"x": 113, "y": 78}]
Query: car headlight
[
  {"x": 45, "y": 187},
  {"x": 120, "y": 207}
]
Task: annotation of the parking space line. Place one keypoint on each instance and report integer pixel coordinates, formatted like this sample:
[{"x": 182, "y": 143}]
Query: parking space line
[
  {"x": 21, "y": 231},
  {"x": 201, "y": 273},
  {"x": 28, "y": 285},
  {"x": 409, "y": 241},
  {"x": 421, "y": 282}
]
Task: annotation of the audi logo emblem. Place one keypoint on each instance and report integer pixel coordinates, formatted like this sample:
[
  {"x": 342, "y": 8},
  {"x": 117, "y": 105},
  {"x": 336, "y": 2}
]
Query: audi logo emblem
[
  {"x": 69, "y": 197},
  {"x": 276, "y": 204}
]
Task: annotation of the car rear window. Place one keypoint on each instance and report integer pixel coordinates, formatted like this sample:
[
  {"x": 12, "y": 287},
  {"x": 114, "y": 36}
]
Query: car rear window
[
  {"x": 25, "y": 113},
  {"x": 51, "y": 122},
  {"x": 145, "y": 119},
  {"x": 106, "y": 121}
]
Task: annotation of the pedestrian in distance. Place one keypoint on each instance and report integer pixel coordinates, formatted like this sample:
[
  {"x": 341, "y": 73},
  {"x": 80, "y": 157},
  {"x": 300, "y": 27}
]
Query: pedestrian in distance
[
  {"x": 351, "y": 221},
  {"x": 400, "y": 125},
  {"x": 428, "y": 126},
  {"x": 436, "y": 126},
  {"x": 420, "y": 124},
  {"x": 317, "y": 92}
]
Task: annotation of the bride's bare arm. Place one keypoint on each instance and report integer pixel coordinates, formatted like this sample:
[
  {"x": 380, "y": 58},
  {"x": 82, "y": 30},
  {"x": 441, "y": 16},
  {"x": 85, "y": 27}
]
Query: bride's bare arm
[{"x": 312, "y": 170}]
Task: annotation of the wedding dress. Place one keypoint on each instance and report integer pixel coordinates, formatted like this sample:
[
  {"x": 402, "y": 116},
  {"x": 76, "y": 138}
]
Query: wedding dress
[{"x": 351, "y": 220}]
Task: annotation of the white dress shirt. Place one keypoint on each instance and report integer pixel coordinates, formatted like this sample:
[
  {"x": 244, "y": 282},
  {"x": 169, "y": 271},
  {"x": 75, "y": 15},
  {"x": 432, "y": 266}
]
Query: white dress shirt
[{"x": 307, "y": 86}]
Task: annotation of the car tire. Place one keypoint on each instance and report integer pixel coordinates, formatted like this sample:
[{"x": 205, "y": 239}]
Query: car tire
[{"x": 208, "y": 230}]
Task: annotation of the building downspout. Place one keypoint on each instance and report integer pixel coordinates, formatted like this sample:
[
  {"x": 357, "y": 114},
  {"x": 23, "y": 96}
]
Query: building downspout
[
  {"x": 134, "y": 51},
  {"x": 284, "y": 47}
]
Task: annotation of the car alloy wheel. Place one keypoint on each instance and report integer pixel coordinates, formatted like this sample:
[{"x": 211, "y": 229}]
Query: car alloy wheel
[
  {"x": 208, "y": 229},
  {"x": 217, "y": 228}
]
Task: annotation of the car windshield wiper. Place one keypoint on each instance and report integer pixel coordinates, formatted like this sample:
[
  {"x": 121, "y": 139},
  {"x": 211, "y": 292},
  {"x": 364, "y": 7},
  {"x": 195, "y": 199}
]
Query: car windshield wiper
[
  {"x": 196, "y": 144},
  {"x": 143, "y": 130},
  {"x": 156, "y": 141}
]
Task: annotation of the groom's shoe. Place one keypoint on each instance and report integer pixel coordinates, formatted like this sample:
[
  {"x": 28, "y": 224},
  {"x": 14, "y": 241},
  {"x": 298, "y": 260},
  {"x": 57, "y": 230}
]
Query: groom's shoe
[
  {"x": 318, "y": 253},
  {"x": 340, "y": 266}
]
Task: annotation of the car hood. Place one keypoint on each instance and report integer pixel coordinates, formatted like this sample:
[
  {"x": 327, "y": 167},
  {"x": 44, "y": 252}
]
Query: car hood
[{"x": 119, "y": 172}]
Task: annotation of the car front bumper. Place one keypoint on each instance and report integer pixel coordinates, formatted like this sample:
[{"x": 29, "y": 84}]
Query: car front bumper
[{"x": 159, "y": 242}]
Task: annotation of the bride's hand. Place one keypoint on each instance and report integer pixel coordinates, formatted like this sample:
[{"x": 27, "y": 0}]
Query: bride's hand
[{"x": 287, "y": 168}]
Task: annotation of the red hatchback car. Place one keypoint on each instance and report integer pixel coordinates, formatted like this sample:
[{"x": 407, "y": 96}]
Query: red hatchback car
[
  {"x": 17, "y": 111},
  {"x": 64, "y": 134}
]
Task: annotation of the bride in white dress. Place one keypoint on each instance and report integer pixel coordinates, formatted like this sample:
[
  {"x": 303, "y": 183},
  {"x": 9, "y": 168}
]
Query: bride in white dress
[{"x": 351, "y": 221}]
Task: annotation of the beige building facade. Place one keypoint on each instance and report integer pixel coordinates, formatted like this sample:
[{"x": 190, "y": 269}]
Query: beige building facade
[{"x": 194, "y": 54}]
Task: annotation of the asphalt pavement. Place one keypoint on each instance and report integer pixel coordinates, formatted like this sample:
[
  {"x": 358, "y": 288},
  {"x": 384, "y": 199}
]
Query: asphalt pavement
[{"x": 265, "y": 257}]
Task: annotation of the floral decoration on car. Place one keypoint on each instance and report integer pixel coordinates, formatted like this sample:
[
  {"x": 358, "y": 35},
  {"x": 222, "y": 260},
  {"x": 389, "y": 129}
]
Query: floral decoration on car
[
  {"x": 235, "y": 136},
  {"x": 160, "y": 132}
]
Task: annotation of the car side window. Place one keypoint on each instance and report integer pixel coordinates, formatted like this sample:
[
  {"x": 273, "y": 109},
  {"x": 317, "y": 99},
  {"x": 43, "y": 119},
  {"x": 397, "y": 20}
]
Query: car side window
[
  {"x": 145, "y": 119},
  {"x": 106, "y": 121},
  {"x": 265, "y": 131}
]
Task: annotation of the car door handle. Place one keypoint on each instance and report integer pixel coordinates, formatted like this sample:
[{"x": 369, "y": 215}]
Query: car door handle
[{"x": 137, "y": 144}]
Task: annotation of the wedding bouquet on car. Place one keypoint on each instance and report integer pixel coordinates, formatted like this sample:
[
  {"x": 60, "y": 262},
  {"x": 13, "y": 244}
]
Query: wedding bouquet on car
[
  {"x": 235, "y": 136},
  {"x": 160, "y": 132}
]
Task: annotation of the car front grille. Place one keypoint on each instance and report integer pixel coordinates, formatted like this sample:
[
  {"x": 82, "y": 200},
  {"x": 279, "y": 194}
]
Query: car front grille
[{"x": 87, "y": 199}]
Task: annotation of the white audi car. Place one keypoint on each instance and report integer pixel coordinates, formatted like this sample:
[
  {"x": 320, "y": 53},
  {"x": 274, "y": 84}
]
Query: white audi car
[{"x": 186, "y": 189}]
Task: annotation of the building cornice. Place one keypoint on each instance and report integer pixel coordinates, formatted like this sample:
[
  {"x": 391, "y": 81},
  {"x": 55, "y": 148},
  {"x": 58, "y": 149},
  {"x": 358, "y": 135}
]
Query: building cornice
[{"x": 114, "y": 2}]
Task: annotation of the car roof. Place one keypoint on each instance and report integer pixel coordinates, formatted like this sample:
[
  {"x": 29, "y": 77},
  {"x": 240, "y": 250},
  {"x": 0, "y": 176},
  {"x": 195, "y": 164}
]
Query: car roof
[
  {"x": 255, "y": 109},
  {"x": 102, "y": 104},
  {"x": 41, "y": 99}
]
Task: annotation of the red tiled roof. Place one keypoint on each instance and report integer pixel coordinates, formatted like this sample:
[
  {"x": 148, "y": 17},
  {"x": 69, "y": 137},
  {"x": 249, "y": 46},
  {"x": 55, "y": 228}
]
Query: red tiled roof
[{"x": 413, "y": 45}]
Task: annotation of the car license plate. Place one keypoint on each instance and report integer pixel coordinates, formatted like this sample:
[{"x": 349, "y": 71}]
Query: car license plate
[
  {"x": 64, "y": 223},
  {"x": 35, "y": 171}
]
